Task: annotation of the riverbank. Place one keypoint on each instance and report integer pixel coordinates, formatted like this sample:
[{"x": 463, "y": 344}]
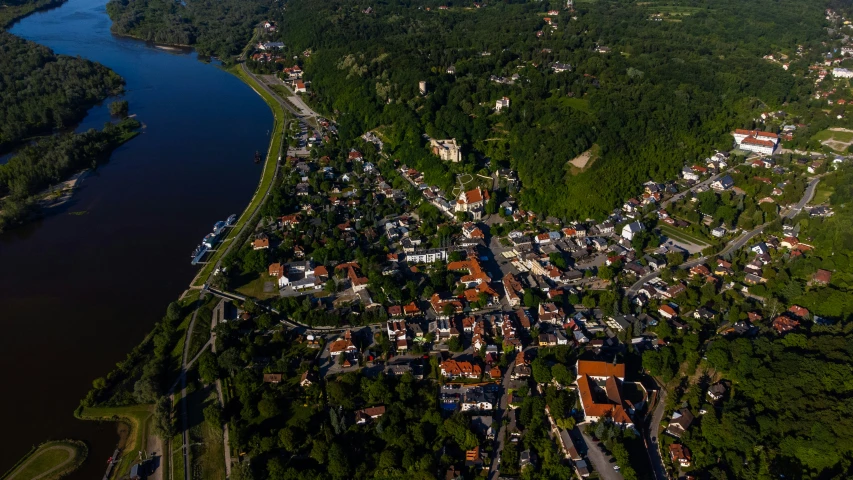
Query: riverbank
[
  {"x": 48, "y": 461},
  {"x": 274, "y": 155},
  {"x": 133, "y": 438}
]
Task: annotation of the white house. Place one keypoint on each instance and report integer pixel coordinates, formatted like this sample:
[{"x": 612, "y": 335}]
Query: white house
[
  {"x": 628, "y": 231},
  {"x": 723, "y": 183},
  {"x": 689, "y": 174},
  {"x": 501, "y": 104}
]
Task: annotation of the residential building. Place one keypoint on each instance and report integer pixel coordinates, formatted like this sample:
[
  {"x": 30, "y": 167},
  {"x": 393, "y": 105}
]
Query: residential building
[
  {"x": 681, "y": 420},
  {"x": 501, "y": 104},
  {"x": 628, "y": 231},
  {"x": 722, "y": 184},
  {"x": 453, "y": 369},
  {"x": 366, "y": 414},
  {"x": 680, "y": 454}
]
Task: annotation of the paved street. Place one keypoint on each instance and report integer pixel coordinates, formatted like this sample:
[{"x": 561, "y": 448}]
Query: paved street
[
  {"x": 651, "y": 436},
  {"x": 501, "y": 412}
]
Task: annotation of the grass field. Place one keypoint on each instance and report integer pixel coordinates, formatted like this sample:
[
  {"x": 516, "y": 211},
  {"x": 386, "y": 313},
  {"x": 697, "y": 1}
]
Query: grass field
[
  {"x": 138, "y": 419},
  {"x": 253, "y": 286},
  {"x": 266, "y": 176},
  {"x": 833, "y": 135},
  {"x": 176, "y": 356},
  {"x": 208, "y": 451},
  {"x": 50, "y": 460},
  {"x": 201, "y": 330},
  {"x": 682, "y": 235},
  {"x": 579, "y": 104},
  {"x": 836, "y": 139},
  {"x": 822, "y": 194}
]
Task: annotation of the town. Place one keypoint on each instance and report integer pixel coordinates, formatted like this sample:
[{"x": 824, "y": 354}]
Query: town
[
  {"x": 486, "y": 259},
  {"x": 384, "y": 275}
]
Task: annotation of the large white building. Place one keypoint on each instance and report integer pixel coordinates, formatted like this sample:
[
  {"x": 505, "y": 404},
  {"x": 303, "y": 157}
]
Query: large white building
[
  {"x": 756, "y": 141},
  {"x": 751, "y": 144},
  {"x": 842, "y": 73}
]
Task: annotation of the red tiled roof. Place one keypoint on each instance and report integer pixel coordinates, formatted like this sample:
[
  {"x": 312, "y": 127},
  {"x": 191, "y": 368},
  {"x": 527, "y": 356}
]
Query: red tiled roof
[
  {"x": 595, "y": 368},
  {"x": 755, "y": 141},
  {"x": 276, "y": 270}
]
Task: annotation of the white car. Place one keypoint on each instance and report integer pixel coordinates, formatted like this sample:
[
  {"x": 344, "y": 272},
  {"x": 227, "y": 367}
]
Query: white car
[{"x": 616, "y": 467}]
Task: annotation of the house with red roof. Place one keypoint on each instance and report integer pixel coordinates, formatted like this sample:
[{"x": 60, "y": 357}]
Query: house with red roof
[{"x": 460, "y": 369}]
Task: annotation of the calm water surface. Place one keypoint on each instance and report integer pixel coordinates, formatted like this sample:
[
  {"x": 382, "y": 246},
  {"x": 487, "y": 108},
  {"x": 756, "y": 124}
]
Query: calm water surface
[{"x": 79, "y": 291}]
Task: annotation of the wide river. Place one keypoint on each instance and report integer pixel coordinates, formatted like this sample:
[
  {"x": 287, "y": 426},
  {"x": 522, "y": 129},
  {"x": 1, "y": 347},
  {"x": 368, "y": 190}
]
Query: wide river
[{"x": 78, "y": 291}]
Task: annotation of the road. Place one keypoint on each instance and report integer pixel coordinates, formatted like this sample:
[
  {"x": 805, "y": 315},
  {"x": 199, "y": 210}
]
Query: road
[
  {"x": 286, "y": 105},
  {"x": 651, "y": 434},
  {"x": 738, "y": 242},
  {"x": 707, "y": 181},
  {"x": 502, "y": 409},
  {"x": 599, "y": 460}
]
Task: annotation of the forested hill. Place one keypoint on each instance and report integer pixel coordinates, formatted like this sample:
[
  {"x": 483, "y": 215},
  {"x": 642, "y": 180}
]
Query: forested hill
[
  {"x": 40, "y": 91},
  {"x": 667, "y": 86},
  {"x": 221, "y": 28}
]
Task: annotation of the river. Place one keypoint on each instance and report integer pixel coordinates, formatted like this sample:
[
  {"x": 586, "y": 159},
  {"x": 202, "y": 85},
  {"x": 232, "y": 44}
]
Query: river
[{"x": 78, "y": 291}]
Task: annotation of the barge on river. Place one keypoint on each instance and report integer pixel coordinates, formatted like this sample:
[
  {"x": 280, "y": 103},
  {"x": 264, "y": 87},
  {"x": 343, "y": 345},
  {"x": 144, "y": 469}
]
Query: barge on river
[{"x": 212, "y": 239}]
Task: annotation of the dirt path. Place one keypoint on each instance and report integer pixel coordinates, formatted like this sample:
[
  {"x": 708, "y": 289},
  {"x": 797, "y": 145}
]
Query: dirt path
[{"x": 24, "y": 465}]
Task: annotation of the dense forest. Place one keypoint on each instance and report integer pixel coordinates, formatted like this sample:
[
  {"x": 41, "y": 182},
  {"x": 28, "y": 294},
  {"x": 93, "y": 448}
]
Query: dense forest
[
  {"x": 664, "y": 93},
  {"x": 41, "y": 91},
  {"x": 49, "y": 161},
  {"x": 12, "y": 10},
  {"x": 221, "y": 28}
]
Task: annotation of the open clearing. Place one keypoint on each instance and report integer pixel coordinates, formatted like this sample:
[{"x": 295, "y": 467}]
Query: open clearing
[
  {"x": 683, "y": 239},
  {"x": 822, "y": 194},
  {"x": 838, "y": 139},
  {"x": 49, "y": 461},
  {"x": 584, "y": 160}
]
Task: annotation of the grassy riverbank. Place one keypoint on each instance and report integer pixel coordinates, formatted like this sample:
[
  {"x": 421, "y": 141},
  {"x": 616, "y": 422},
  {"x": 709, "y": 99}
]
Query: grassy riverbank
[
  {"x": 266, "y": 177},
  {"x": 137, "y": 418},
  {"x": 48, "y": 461}
]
